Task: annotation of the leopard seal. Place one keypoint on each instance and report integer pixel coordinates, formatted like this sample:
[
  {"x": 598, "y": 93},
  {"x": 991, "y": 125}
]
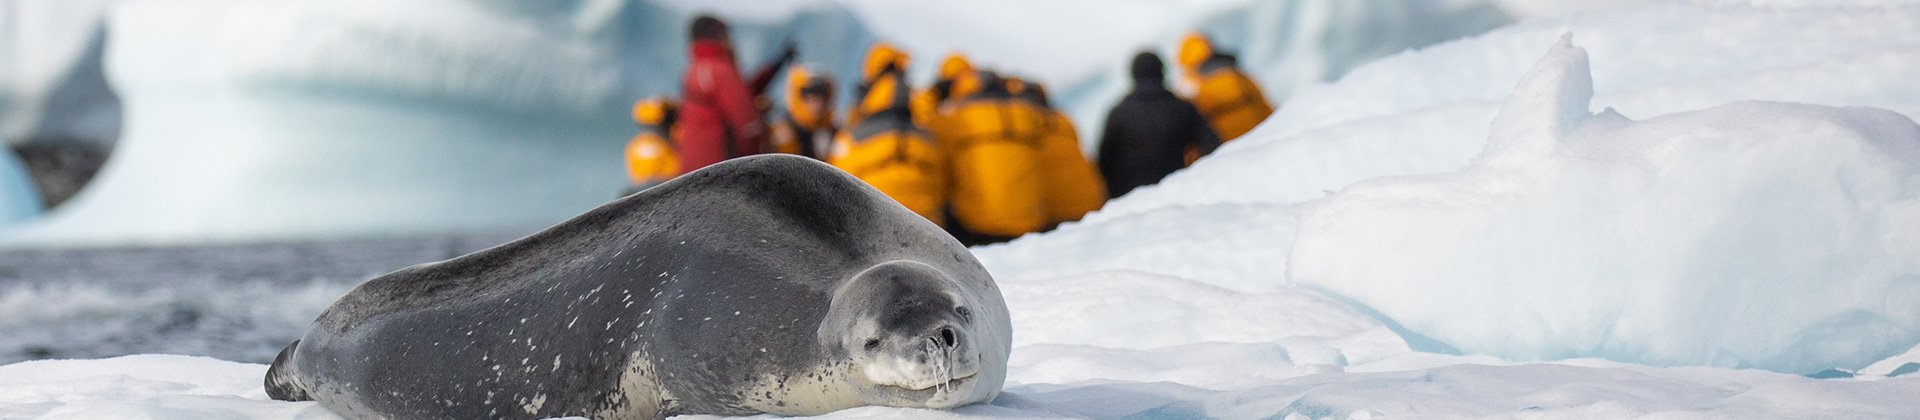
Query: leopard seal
[{"x": 766, "y": 284}]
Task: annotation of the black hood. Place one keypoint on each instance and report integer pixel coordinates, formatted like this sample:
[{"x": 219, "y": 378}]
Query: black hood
[{"x": 1147, "y": 68}]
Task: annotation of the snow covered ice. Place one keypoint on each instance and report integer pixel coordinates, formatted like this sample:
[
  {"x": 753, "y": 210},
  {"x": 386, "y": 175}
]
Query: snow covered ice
[
  {"x": 1765, "y": 235},
  {"x": 1669, "y": 210}
]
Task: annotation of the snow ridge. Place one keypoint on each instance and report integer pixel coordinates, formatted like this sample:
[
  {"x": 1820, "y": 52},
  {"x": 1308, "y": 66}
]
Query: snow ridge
[{"x": 1549, "y": 103}]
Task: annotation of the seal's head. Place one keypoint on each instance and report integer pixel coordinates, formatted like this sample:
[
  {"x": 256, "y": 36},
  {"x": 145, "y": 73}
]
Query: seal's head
[{"x": 906, "y": 333}]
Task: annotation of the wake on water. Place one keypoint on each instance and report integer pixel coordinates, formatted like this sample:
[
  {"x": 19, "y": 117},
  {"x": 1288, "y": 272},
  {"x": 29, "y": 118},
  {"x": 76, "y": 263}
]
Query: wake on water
[{"x": 233, "y": 302}]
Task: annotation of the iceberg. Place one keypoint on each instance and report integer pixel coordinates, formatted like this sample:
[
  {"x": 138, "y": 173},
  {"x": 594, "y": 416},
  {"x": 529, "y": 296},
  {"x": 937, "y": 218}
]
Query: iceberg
[
  {"x": 19, "y": 199},
  {"x": 249, "y": 121}
]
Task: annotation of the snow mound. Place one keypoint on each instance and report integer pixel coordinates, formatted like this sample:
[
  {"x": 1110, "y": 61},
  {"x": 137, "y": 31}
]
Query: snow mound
[{"x": 1760, "y": 235}]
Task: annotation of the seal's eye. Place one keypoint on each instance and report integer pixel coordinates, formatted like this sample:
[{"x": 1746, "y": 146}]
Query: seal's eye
[
  {"x": 873, "y": 344},
  {"x": 964, "y": 312}
]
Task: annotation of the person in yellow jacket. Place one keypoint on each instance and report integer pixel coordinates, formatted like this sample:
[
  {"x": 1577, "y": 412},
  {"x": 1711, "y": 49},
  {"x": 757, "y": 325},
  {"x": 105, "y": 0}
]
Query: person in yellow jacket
[
  {"x": 891, "y": 153},
  {"x": 992, "y": 143},
  {"x": 927, "y": 102},
  {"x": 650, "y": 156},
  {"x": 1073, "y": 186},
  {"x": 1224, "y": 94},
  {"x": 882, "y": 59},
  {"x": 807, "y": 129}
]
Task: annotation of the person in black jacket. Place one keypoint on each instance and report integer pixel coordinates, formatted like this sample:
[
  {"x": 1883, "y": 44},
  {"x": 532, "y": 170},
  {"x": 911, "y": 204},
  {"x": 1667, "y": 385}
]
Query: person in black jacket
[{"x": 1149, "y": 131}]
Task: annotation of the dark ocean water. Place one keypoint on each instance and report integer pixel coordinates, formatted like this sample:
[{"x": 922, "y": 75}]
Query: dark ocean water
[{"x": 239, "y": 302}]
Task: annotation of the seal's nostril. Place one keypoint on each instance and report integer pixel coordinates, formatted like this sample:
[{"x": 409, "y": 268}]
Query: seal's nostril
[{"x": 947, "y": 338}]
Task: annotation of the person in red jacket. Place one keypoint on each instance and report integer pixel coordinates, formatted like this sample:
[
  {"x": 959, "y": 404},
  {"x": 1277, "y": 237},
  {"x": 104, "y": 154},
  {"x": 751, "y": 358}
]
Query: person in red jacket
[{"x": 718, "y": 118}]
